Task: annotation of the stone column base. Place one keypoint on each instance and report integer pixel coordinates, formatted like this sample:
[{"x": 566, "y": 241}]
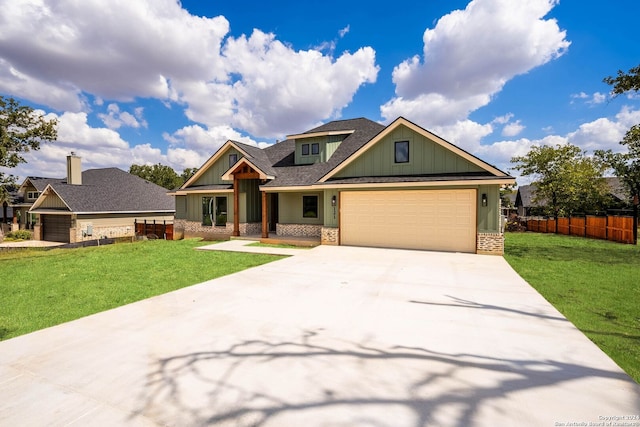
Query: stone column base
[
  {"x": 329, "y": 236},
  {"x": 490, "y": 244}
]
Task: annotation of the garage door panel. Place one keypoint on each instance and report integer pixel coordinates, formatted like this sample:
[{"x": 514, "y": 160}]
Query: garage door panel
[
  {"x": 55, "y": 228},
  {"x": 413, "y": 219}
]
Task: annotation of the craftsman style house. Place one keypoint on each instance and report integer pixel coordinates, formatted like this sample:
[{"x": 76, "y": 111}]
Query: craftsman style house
[{"x": 349, "y": 182}]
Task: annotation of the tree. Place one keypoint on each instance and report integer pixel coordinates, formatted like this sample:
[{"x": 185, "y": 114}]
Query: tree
[
  {"x": 159, "y": 174},
  {"x": 626, "y": 165},
  {"x": 187, "y": 173},
  {"x": 567, "y": 180},
  {"x": 22, "y": 129}
]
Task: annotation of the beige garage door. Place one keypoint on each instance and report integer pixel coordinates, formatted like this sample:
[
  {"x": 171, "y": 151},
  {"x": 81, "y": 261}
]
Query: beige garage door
[{"x": 439, "y": 220}]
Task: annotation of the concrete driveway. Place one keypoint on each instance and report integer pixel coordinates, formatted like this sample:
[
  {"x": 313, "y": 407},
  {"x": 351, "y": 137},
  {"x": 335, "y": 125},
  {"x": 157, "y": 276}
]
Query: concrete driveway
[{"x": 334, "y": 336}]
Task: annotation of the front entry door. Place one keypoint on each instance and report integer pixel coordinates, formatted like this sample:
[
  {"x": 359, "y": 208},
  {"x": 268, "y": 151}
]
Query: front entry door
[
  {"x": 221, "y": 210},
  {"x": 273, "y": 217}
]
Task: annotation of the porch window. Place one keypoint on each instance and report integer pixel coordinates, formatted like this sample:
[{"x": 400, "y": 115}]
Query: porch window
[
  {"x": 233, "y": 159},
  {"x": 310, "y": 206},
  {"x": 315, "y": 148},
  {"x": 221, "y": 210},
  {"x": 305, "y": 149},
  {"x": 402, "y": 152},
  {"x": 207, "y": 211}
]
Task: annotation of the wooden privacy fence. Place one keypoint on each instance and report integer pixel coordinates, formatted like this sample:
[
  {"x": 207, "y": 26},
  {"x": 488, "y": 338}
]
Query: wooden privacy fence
[
  {"x": 160, "y": 229},
  {"x": 611, "y": 227}
]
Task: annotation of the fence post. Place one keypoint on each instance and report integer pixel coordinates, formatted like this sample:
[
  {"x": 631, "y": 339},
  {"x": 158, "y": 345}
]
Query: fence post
[{"x": 635, "y": 219}]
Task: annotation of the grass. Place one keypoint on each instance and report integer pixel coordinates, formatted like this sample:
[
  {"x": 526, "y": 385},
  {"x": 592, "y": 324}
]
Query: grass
[
  {"x": 44, "y": 288},
  {"x": 594, "y": 283}
]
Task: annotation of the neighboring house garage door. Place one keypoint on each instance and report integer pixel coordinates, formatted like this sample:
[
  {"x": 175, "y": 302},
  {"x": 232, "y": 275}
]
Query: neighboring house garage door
[
  {"x": 439, "y": 220},
  {"x": 55, "y": 228}
]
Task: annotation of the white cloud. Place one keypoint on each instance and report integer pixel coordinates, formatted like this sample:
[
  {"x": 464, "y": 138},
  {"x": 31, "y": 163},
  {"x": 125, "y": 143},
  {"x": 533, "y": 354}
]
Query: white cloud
[
  {"x": 115, "y": 118},
  {"x": 133, "y": 49},
  {"x": 156, "y": 49},
  {"x": 468, "y": 57},
  {"x": 513, "y": 129},
  {"x": 600, "y": 134},
  {"x": 280, "y": 86},
  {"x": 343, "y": 32},
  {"x": 503, "y": 120},
  {"x": 595, "y": 98}
]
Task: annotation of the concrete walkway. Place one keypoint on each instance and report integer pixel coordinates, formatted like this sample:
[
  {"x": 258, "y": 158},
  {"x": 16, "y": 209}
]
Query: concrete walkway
[
  {"x": 334, "y": 336},
  {"x": 30, "y": 244},
  {"x": 245, "y": 246}
]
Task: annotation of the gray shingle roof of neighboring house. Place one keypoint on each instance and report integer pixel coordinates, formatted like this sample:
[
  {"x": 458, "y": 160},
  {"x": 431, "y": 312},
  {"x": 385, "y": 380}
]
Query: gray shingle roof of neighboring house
[
  {"x": 41, "y": 183},
  {"x": 526, "y": 193},
  {"x": 113, "y": 190},
  {"x": 618, "y": 190}
]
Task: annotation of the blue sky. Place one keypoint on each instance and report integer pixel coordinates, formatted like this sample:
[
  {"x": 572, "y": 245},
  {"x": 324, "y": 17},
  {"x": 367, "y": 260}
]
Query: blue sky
[{"x": 160, "y": 81}]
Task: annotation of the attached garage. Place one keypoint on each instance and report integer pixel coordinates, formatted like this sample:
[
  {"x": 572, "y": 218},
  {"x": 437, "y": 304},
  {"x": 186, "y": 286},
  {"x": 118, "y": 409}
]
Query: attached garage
[
  {"x": 438, "y": 220},
  {"x": 55, "y": 228}
]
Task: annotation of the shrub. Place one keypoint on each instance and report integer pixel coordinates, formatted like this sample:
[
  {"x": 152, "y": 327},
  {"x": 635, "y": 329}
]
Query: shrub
[
  {"x": 515, "y": 224},
  {"x": 19, "y": 235}
]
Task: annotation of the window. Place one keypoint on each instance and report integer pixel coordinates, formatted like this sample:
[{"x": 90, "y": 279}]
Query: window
[
  {"x": 305, "y": 149},
  {"x": 315, "y": 148},
  {"x": 402, "y": 152},
  {"x": 33, "y": 195},
  {"x": 233, "y": 159},
  {"x": 207, "y": 211},
  {"x": 310, "y": 206},
  {"x": 221, "y": 210}
]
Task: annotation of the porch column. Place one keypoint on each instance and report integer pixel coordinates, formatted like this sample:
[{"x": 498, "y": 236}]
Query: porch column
[
  {"x": 265, "y": 216},
  {"x": 236, "y": 206}
]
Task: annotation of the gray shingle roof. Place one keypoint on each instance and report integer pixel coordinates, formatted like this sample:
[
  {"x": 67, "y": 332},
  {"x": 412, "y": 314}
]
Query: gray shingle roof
[
  {"x": 113, "y": 190},
  {"x": 282, "y": 154},
  {"x": 41, "y": 183}
]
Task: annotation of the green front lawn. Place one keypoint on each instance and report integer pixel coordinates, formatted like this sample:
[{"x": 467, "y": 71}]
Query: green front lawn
[
  {"x": 42, "y": 288},
  {"x": 594, "y": 283}
]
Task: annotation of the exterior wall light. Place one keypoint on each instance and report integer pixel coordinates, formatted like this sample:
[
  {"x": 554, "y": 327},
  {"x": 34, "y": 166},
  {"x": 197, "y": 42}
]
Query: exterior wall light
[{"x": 484, "y": 199}]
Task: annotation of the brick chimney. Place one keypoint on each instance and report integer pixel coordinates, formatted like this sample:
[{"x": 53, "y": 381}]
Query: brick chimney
[{"x": 74, "y": 169}]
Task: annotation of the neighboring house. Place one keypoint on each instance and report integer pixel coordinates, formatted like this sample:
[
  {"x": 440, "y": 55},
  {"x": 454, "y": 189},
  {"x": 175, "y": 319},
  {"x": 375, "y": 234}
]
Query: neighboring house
[
  {"x": 349, "y": 182},
  {"x": 24, "y": 198},
  {"x": 97, "y": 203},
  {"x": 526, "y": 206}
]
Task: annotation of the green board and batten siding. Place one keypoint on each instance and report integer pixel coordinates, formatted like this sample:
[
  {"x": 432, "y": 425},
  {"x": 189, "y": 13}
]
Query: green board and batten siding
[
  {"x": 290, "y": 208},
  {"x": 327, "y": 146},
  {"x": 213, "y": 175},
  {"x": 425, "y": 157}
]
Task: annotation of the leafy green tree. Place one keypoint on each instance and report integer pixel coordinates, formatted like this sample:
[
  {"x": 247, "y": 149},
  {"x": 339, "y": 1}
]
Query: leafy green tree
[
  {"x": 626, "y": 165},
  {"x": 505, "y": 192},
  {"x": 22, "y": 129},
  {"x": 187, "y": 173},
  {"x": 567, "y": 180},
  {"x": 159, "y": 174}
]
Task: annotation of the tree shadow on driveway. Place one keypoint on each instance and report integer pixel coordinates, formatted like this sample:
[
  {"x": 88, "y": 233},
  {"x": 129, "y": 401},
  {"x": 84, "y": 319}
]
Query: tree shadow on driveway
[
  {"x": 463, "y": 303},
  {"x": 318, "y": 380}
]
